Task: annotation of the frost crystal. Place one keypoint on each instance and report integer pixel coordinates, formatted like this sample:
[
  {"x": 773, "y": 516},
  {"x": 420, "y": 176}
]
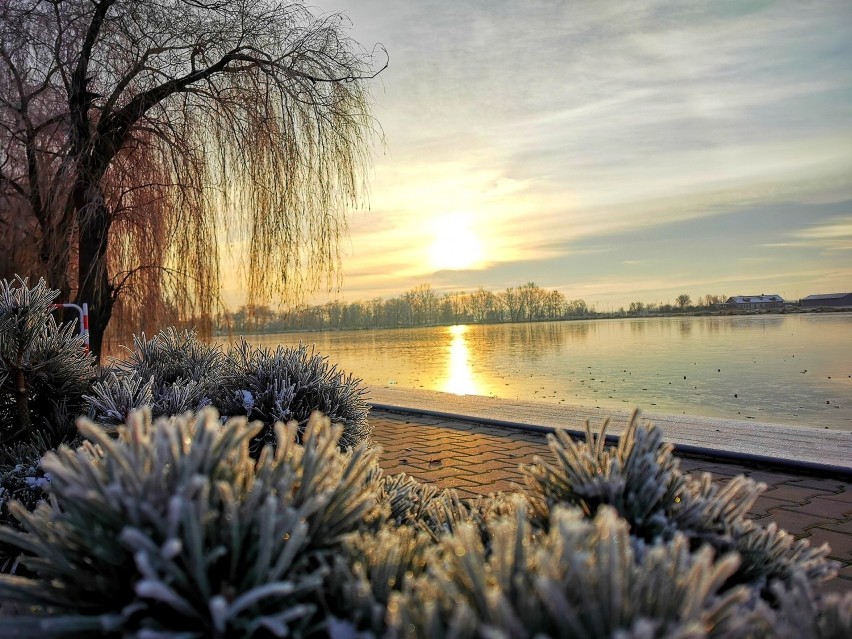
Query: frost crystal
[{"x": 247, "y": 400}]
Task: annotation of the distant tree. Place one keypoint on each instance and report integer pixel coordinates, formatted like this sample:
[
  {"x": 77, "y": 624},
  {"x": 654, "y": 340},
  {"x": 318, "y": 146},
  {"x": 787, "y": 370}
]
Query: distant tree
[
  {"x": 577, "y": 308},
  {"x": 135, "y": 136},
  {"x": 637, "y": 308},
  {"x": 482, "y": 304},
  {"x": 532, "y": 300},
  {"x": 512, "y": 303},
  {"x": 683, "y": 300},
  {"x": 710, "y": 300},
  {"x": 376, "y": 309},
  {"x": 454, "y": 308}
]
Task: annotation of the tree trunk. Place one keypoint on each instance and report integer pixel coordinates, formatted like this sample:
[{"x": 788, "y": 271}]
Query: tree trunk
[
  {"x": 56, "y": 261},
  {"x": 22, "y": 398},
  {"x": 94, "y": 285}
]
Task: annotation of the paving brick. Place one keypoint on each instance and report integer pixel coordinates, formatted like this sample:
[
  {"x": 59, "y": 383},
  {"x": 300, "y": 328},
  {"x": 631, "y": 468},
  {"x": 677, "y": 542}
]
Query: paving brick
[
  {"x": 763, "y": 519},
  {"x": 466, "y": 462},
  {"x": 841, "y": 544},
  {"x": 844, "y": 496},
  {"x": 837, "y": 585},
  {"x": 461, "y": 426},
  {"x": 502, "y": 486},
  {"x": 763, "y": 505},
  {"x": 845, "y": 571},
  {"x": 492, "y": 466},
  {"x": 420, "y": 449},
  {"x": 469, "y": 493},
  {"x": 447, "y": 482},
  {"x": 395, "y": 470},
  {"x": 413, "y": 460},
  {"x": 689, "y": 465},
  {"x": 528, "y": 436},
  {"x": 842, "y": 527},
  {"x": 437, "y": 474},
  {"x": 424, "y": 421},
  {"x": 827, "y": 507},
  {"x": 528, "y": 439},
  {"x": 531, "y": 451},
  {"x": 492, "y": 476},
  {"x": 794, "y": 522},
  {"x": 829, "y": 485},
  {"x": 769, "y": 478},
  {"x": 798, "y": 494}
]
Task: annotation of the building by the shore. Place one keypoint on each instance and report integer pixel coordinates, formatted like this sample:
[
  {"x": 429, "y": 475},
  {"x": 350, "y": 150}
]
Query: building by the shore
[
  {"x": 830, "y": 300},
  {"x": 753, "y": 302}
]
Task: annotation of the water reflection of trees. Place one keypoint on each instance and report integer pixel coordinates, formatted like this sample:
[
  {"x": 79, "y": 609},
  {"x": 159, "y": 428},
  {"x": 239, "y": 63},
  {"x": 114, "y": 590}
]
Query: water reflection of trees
[
  {"x": 764, "y": 322},
  {"x": 533, "y": 340},
  {"x": 637, "y": 326}
]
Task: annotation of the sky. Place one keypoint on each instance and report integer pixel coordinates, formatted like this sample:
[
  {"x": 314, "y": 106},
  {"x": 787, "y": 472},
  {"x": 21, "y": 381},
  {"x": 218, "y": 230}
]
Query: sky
[{"x": 615, "y": 151}]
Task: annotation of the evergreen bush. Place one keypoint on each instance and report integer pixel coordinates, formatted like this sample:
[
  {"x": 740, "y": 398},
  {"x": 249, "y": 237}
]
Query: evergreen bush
[
  {"x": 172, "y": 530},
  {"x": 21, "y": 480},
  {"x": 290, "y": 383},
  {"x": 641, "y": 480},
  {"x": 173, "y": 372},
  {"x": 582, "y": 578},
  {"x": 44, "y": 367}
]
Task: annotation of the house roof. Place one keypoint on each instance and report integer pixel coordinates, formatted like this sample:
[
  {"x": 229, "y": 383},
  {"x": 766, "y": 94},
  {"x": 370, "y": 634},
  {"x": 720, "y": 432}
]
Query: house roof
[
  {"x": 755, "y": 299},
  {"x": 827, "y": 296}
]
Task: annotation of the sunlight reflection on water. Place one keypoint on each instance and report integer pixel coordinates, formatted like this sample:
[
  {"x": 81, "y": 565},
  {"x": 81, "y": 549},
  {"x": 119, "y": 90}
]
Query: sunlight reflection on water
[
  {"x": 460, "y": 379},
  {"x": 794, "y": 369}
]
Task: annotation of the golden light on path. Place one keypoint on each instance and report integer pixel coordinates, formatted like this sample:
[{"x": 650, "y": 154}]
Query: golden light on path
[
  {"x": 454, "y": 247},
  {"x": 459, "y": 372}
]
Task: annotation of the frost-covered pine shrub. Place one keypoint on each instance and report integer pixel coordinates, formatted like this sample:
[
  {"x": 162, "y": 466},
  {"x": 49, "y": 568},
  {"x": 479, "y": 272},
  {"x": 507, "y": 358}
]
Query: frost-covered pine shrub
[
  {"x": 641, "y": 480},
  {"x": 583, "y": 578},
  {"x": 173, "y": 530},
  {"x": 44, "y": 368},
  {"x": 21, "y": 480},
  {"x": 619, "y": 543},
  {"x": 412, "y": 503},
  {"x": 797, "y": 615},
  {"x": 290, "y": 383},
  {"x": 173, "y": 372}
]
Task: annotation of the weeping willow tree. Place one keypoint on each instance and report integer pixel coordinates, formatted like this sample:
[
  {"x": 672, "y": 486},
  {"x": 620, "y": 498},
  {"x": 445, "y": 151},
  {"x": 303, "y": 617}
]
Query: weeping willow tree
[{"x": 138, "y": 138}]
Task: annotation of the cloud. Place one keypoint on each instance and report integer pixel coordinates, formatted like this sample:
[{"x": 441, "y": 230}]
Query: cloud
[
  {"x": 835, "y": 235},
  {"x": 573, "y": 135},
  {"x": 841, "y": 229}
]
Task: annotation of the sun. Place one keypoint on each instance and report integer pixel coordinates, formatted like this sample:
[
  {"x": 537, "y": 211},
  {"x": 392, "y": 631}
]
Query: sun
[{"x": 455, "y": 247}]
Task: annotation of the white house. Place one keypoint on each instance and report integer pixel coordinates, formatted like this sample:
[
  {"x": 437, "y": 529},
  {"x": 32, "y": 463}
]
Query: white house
[{"x": 753, "y": 302}]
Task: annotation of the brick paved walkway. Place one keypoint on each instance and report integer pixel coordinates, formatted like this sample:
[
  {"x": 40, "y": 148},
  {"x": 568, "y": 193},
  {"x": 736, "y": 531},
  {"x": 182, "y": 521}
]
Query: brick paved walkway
[{"x": 477, "y": 459}]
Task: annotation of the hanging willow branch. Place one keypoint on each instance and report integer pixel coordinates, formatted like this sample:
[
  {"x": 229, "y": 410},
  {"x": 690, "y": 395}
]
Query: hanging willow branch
[{"x": 143, "y": 136}]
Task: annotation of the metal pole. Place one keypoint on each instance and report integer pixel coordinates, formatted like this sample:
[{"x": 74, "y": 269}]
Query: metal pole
[{"x": 84, "y": 320}]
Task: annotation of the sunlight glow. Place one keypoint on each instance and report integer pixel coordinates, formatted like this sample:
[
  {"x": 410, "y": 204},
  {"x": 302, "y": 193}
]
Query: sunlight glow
[
  {"x": 460, "y": 379},
  {"x": 455, "y": 247}
]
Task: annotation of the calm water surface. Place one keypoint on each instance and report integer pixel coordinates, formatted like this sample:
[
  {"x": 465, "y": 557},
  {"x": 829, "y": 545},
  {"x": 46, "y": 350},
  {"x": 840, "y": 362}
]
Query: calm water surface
[{"x": 793, "y": 369}]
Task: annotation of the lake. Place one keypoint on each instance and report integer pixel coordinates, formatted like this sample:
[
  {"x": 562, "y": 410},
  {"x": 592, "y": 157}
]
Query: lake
[{"x": 789, "y": 369}]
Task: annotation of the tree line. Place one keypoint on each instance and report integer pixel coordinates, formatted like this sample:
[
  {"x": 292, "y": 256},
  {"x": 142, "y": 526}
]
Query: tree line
[{"x": 424, "y": 306}]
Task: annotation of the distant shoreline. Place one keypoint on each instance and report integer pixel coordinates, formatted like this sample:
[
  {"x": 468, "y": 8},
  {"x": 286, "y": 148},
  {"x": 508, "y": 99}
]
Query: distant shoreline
[{"x": 580, "y": 318}]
